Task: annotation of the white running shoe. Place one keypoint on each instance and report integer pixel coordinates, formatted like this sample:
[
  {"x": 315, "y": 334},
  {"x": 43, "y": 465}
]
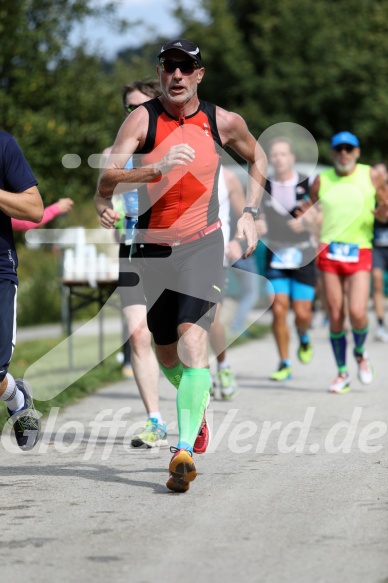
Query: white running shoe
[
  {"x": 365, "y": 369},
  {"x": 341, "y": 383},
  {"x": 381, "y": 334}
]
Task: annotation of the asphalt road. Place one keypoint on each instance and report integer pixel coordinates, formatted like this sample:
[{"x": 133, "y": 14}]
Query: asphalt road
[{"x": 273, "y": 502}]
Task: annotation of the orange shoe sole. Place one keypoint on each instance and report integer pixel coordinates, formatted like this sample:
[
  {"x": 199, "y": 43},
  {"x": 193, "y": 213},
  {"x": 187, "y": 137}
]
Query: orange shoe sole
[{"x": 182, "y": 470}]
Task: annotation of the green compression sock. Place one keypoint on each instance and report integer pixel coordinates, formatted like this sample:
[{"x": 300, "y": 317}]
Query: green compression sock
[
  {"x": 360, "y": 338},
  {"x": 173, "y": 375},
  {"x": 191, "y": 402}
]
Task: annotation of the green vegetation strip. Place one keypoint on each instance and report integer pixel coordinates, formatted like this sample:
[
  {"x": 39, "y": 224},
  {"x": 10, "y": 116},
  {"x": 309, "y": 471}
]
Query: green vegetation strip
[{"x": 109, "y": 371}]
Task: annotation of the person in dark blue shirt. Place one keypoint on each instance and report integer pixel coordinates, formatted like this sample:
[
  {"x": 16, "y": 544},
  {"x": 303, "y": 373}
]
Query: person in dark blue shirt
[{"x": 19, "y": 199}]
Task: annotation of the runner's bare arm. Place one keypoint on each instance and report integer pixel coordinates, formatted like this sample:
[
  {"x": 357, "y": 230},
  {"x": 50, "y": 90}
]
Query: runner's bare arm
[
  {"x": 235, "y": 191},
  {"x": 381, "y": 212},
  {"x": 312, "y": 216},
  {"x": 26, "y": 205},
  {"x": 313, "y": 194},
  {"x": 130, "y": 138},
  {"x": 234, "y": 133}
]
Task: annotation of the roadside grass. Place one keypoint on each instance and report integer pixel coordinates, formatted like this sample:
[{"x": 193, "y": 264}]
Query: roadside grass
[
  {"x": 45, "y": 364},
  {"x": 27, "y": 354}
]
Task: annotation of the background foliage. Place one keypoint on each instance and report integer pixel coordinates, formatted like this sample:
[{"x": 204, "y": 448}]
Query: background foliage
[{"x": 319, "y": 63}]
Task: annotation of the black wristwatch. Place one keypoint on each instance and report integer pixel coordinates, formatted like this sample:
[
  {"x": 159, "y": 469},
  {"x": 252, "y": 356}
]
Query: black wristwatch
[{"x": 252, "y": 210}]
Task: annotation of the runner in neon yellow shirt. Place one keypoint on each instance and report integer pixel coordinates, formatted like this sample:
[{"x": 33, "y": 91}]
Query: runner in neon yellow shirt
[{"x": 348, "y": 194}]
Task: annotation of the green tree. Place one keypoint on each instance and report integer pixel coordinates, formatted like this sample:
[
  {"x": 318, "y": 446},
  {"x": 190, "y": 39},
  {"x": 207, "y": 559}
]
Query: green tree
[
  {"x": 319, "y": 63},
  {"x": 55, "y": 99}
]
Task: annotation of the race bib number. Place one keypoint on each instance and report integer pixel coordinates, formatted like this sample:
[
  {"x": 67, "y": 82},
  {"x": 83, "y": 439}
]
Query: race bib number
[
  {"x": 287, "y": 258},
  {"x": 381, "y": 238},
  {"x": 347, "y": 252}
]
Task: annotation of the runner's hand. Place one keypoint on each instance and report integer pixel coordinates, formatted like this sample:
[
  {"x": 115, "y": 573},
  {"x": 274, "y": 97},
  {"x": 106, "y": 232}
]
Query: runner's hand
[
  {"x": 109, "y": 217},
  {"x": 246, "y": 230},
  {"x": 65, "y": 204},
  {"x": 261, "y": 226},
  {"x": 381, "y": 212},
  {"x": 179, "y": 155}
]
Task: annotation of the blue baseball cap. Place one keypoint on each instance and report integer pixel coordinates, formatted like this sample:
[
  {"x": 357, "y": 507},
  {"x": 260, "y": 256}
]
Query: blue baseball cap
[{"x": 344, "y": 138}]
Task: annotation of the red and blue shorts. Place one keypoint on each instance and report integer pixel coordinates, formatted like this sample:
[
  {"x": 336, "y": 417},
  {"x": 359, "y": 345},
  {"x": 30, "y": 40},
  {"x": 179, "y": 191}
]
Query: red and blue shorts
[{"x": 345, "y": 268}]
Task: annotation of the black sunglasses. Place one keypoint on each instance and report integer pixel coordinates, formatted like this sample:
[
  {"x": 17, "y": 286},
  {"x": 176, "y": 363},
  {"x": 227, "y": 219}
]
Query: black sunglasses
[
  {"x": 129, "y": 107},
  {"x": 186, "y": 67},
  {"x": 347, "y": 147}
]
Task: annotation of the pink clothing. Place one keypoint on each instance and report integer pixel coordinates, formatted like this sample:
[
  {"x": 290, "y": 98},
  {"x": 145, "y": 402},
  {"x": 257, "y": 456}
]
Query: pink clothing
[{"x": 49, "y": 214}]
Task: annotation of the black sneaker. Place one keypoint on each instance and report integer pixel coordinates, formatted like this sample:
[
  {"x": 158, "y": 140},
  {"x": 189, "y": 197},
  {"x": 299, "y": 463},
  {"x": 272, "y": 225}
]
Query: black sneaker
[{"x": 26, "y": 423}]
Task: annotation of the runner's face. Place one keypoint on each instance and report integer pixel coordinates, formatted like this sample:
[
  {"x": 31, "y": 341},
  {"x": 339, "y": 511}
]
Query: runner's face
[
  {"x": 281, "y": 157},
  {"x": 345, "y": 160},
  {"x": 179, "y": 87},
  {"x": 135, "y": 98}
]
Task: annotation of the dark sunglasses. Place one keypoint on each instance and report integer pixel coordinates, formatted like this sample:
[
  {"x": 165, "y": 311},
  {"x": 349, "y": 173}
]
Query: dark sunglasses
[
  {"x": 347, "y": 147},
  {"x": 186, "y": 67},
  {"x": 129, "y": 107}
]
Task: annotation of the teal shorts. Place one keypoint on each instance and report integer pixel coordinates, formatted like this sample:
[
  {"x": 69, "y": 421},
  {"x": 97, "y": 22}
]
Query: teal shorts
[{"x": 294, "y": 289}]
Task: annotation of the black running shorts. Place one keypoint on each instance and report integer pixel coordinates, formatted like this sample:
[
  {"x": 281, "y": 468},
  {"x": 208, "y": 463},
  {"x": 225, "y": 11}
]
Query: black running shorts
[{"x": 181, "y": 283}]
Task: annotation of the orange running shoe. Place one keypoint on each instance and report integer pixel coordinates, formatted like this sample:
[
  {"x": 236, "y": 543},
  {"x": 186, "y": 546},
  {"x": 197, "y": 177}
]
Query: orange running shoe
[{"x": 182, "y": 470}]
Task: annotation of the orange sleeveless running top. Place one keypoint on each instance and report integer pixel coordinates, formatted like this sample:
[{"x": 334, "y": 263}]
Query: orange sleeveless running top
[{"x": 185, "y": 199}]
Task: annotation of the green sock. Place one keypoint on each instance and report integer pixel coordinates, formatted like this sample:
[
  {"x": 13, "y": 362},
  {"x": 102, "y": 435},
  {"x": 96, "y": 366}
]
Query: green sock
[
  {"x": 191, "y": 402},
  {"x": 359, "y": 339},
  {"x": 173, "y": 375}
]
